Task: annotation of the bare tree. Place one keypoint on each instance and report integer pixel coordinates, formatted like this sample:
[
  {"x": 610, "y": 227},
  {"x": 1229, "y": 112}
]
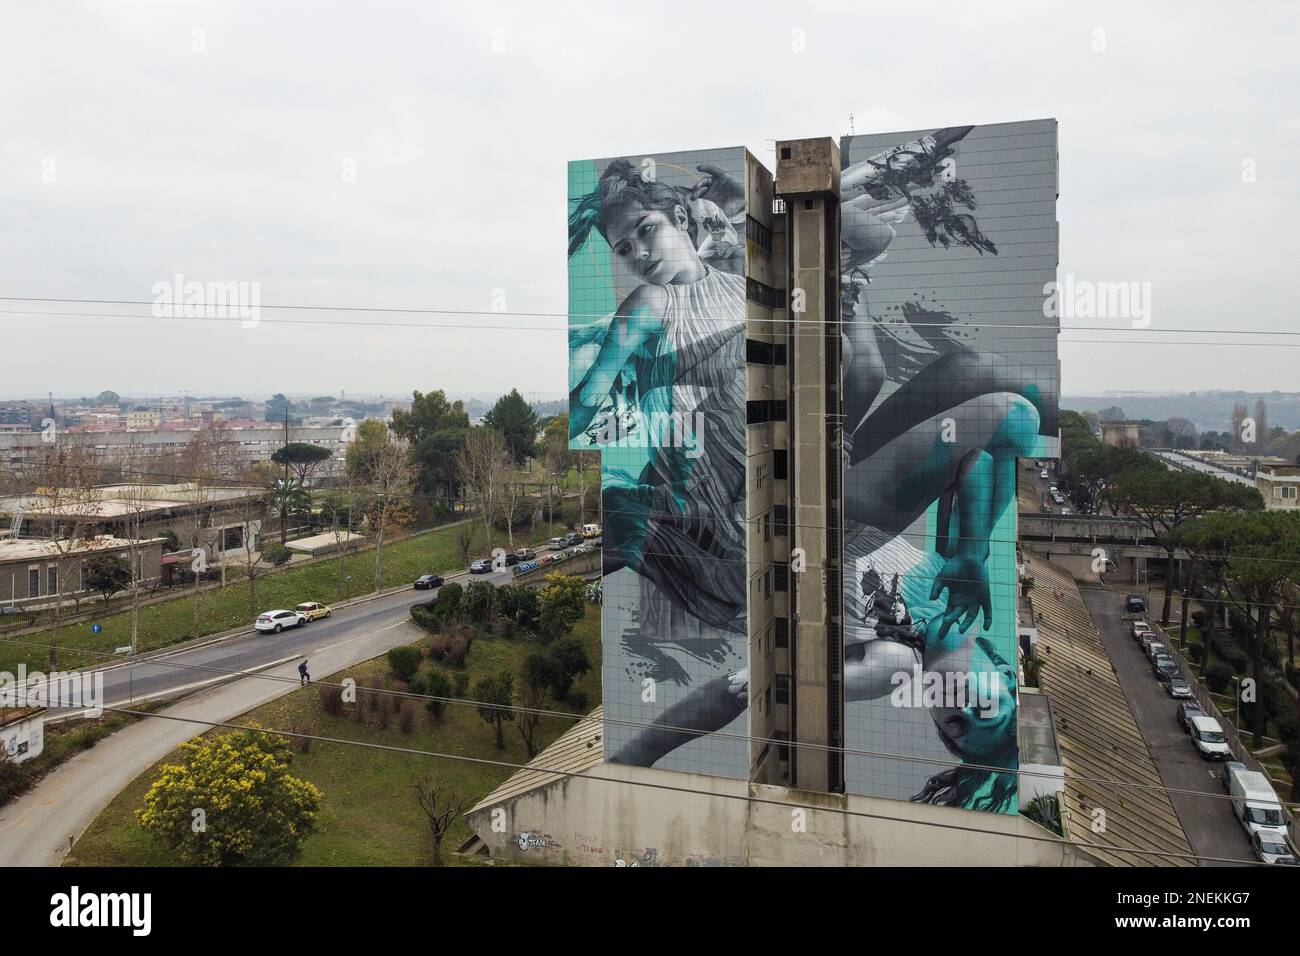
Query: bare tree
[
  {"x": 587, "y": 464},
  {"x": 136, "y": 499},
  {"x": 441, "y": 805},
  {"x": 483, "y": 465},
  {"x": 343, "y": 500},
  {"x": 512, "y": 495},
  {"x": 389, "y": 477},
  {"x": 252, "y": 511},
  {"x": 66, "y": 506},
  {"x": 465, "y": 540}
]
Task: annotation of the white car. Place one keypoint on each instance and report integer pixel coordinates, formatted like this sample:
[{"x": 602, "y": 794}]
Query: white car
[
  {"x": 1209, "y": 739},
  {"x": 1270, "y": 846},
  {"x": 276, "y": 621},
  {"x": 1043, "y": 473}
]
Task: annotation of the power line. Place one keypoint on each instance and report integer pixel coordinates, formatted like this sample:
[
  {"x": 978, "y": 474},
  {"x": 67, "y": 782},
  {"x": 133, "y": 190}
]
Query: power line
[
  {"x": 748, "y": 798},
  {"x": 1049, "y": 325}
]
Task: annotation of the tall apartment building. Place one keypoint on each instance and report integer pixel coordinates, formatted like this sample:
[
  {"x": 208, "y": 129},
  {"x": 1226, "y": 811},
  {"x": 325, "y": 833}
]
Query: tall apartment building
[{"x": 810, "y": 393}]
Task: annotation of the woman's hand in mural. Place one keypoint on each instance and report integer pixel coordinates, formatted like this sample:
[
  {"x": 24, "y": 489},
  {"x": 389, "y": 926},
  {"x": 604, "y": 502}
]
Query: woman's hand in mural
[
  {"x": 718, "y": 186},
  {"x": 966, "y": 579}
]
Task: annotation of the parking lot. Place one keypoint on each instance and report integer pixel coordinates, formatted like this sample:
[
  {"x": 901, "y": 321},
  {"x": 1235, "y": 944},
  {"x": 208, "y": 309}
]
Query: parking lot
[{"x": 1210, "y": 825}]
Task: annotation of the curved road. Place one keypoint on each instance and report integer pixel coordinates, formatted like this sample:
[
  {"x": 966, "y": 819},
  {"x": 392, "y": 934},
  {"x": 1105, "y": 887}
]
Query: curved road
[{"x": 38, "y": 828}]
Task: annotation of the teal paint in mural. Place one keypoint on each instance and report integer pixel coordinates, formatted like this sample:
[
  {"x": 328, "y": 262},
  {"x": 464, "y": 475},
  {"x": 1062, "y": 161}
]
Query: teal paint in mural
[
  {"x": 942, "y": 395},
  {"x": 656, "y": 356}
]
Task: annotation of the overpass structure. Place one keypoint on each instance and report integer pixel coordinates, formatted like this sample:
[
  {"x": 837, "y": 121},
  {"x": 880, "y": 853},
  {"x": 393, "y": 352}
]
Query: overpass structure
[{"x": 1093, "y": 547}]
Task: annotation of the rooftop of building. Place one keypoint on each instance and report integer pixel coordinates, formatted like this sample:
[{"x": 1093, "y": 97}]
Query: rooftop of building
[
  {"x": 116, "y": 501},
  {"x": 578, "y": 750},
  {"x": 1097, "y": 734},
  {"x": 36, "y": 549}
]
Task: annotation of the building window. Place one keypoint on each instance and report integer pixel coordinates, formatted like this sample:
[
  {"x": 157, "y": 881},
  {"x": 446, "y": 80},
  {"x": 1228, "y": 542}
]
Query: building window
[
  {"x": 33, "y": 582},
  {"x": 782, "y": 569},
  {"x": 51, "y": 580},
  {"x": 758, "y": 233},
  {"x": 232, "y": 539},
  {"x": 782, "y": 689},
  {"x": 781, "y": 627},
  {"x": 764, "y": 295},
  {"x": 767, "y": 585},
  {"x": 767, "y": 527},
  {"x": 758, "y": 353},
  {"x": 781, "y": 516},
  {"x": 781, "y": 464}
]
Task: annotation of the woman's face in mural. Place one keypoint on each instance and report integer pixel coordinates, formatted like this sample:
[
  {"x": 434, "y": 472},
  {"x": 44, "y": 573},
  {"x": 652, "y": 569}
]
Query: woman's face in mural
[
  {"x": 653, "y": 246},
  {"x": 983, "y": 729}
]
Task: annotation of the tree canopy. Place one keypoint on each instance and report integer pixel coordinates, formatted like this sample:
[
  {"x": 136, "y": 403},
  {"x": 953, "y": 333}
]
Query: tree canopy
[{"x": 518, "y": 424}]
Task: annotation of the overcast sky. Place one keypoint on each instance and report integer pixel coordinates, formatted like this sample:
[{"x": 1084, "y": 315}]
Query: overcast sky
[{"x": 412, "y": 155}]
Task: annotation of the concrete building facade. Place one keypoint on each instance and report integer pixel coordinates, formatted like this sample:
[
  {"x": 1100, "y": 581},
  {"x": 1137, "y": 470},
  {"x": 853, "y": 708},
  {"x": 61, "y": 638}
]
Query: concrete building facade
[{"x": 850, "y": 519}]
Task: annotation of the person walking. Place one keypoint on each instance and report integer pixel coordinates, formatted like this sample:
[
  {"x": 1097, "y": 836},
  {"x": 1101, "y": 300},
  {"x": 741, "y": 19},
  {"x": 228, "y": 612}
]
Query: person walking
[{"x": 302, "y": 673}]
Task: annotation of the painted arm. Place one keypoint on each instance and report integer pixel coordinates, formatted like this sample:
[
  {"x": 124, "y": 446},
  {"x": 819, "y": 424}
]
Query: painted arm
[{"x": 707, "y": 709}]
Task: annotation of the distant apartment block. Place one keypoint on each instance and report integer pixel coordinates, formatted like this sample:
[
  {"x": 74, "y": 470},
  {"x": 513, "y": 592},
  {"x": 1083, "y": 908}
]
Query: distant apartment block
[{"x": 117, "y": 440}]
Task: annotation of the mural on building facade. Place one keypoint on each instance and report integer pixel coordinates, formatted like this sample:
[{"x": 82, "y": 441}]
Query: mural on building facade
[{"x": 949, "y": 370}]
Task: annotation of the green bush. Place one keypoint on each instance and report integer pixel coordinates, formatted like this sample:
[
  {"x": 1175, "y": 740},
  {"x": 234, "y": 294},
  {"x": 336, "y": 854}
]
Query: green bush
[
  {"x": 1217, "y": 677},
  {"x": 437, "y": 684},
  {"x": 460, "y": 685},
  {"x": 404, "y": 661},
  {"x": 276, "y": 554},
  {"x": 450, "y": 598}
]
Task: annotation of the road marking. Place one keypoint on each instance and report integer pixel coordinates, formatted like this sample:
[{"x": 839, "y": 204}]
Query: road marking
[{"x": 386, "y": 627}]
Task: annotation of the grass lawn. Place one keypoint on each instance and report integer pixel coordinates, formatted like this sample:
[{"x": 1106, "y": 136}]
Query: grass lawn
[
  {"x": 220, "y": 610},
  {"x": 62, "y": 742},
  {"x": 369, "y": 814}
]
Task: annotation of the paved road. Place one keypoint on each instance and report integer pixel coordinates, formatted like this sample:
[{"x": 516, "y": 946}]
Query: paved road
[
  {"x": 199, "y": 665},
  {"x": 1210, "y": 825},
  {"x": 39, "y": 827}
]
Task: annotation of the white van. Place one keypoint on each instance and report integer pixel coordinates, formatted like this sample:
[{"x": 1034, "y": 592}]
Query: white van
[
  {"x": 1211, "y": 743},
  {"x": 591, "y": 531},
  {"x": 1255, "y": 803}
]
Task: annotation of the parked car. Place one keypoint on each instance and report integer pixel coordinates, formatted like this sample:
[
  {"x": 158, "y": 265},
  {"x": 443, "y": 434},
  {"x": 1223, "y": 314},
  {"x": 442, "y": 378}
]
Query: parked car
[
  {"x": 277, "y": 621},
  {"x": 1229, "y": 768},
  {"x": 523, "y": 566},
  {"x": 481, "y": 566},
  {"x": 1133, "y": 604},
  {"x": 313, "y": 611},
  {"x": 525, "y": 554},
  {"x": 1256, "y": 805},
  {"x": 1208, "y": 736},
  {"x": 1147, "y": 642},
  {"x": 591, "y": 531},
  {"x": 1137, "y": 627},
  {"x": 427, "y": 582},
  {"x": 511, "y": 559},
  {"x": 1178, "y": 688},
  {"x": 574, "y": 538},
  {"x": 1272, "y": 847},
  {"x": 1165, "y": 668},
  {"x": 558, "y": 543},
  {"x": 1186, "y": 711},
  {"x": 1043, "y": 474}
]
